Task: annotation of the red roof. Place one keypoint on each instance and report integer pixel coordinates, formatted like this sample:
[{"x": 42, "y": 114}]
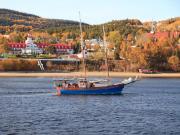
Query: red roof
[
  {"x": 163, "y": 34},
  {"x": 17, "y": 45},
  {"x": 40, "y": 45}
]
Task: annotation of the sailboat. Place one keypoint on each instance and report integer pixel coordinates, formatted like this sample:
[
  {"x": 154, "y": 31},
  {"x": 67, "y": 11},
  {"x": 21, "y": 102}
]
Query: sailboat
[{"x": 84, "y": 86}]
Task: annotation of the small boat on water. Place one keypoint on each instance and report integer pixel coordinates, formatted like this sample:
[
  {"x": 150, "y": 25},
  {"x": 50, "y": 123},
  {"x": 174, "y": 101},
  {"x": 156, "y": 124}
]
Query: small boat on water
[{"x": 83, "y": 86}]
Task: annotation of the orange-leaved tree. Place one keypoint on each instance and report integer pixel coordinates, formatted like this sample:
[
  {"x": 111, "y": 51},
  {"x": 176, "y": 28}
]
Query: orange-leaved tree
[{"x": 174, "y": 63}]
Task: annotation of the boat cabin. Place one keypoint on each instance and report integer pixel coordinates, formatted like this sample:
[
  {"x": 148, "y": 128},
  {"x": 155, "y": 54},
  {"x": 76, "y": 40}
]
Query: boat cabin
[{"x": 73, "y": 84}]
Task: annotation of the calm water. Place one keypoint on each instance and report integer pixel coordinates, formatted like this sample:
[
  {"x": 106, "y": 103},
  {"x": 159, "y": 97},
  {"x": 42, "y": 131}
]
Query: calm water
[{"x": 28, "y": 106}]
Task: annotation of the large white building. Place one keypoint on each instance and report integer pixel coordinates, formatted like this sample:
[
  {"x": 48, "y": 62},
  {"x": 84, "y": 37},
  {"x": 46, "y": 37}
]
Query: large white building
[{"x": 31, "y": 48}]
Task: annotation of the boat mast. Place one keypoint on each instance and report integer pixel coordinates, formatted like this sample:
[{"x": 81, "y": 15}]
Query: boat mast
[
  {"x": 106, "y": 55},
  {"x": 82, "y": 46}
]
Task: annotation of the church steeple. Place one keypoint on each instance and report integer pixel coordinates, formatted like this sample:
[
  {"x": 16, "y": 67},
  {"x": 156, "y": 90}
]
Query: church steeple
[
  {"x": 29, "y": 40},
  {"x": 153, "y": 27}
]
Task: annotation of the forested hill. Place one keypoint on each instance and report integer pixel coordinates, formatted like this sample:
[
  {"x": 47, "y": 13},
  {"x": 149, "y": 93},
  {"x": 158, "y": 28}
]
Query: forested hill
[
  {"x": 11, "y": 21},
  {"x": 14, "y": 18}
]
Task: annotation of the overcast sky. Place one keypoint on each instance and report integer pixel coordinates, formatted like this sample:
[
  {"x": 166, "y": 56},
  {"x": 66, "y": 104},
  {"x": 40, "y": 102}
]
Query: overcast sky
[{"x": 97, "y": 11}]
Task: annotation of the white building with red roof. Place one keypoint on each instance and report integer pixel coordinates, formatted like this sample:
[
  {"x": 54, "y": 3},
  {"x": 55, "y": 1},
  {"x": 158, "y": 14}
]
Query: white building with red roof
[{"x": 30, "y": 48}]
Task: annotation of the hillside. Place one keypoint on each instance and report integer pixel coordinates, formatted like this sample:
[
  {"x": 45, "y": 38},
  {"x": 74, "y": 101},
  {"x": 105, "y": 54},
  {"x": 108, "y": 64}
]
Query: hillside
[
  {"x": 172, "y": 24},
  {"x": 11, "y": 21},
  {"x": 23, "y": 22},
  {"x": 14, "y": 18}
]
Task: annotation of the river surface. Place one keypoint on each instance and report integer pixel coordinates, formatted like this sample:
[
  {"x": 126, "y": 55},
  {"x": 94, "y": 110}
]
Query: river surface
[{"x": 28, "y": 106}]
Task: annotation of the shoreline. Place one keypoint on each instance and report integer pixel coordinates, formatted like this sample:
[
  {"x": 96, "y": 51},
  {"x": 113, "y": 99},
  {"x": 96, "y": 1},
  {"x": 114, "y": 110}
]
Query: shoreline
[{"x": 90, "y": 74}]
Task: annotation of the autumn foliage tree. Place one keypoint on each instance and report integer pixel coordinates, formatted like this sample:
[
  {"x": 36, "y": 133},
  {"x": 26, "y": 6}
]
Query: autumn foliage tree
[
  {"x": 115, "y": 39},
  {"x": 4, "y": 48},
  {"x": 174, "y": 63},
  {"x": 50, "y": 49}
]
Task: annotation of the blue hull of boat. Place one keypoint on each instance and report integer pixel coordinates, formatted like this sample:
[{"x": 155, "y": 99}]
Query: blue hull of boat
[{"x": 108, "y": 90}]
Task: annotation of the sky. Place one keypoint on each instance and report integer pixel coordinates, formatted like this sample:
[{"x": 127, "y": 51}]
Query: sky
[{"x": 97, "y": 11}]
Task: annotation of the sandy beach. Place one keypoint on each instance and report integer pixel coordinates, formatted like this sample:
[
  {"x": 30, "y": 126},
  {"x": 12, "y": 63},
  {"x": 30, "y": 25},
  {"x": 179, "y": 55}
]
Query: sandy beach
[{"x": 95, "y": 74}]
